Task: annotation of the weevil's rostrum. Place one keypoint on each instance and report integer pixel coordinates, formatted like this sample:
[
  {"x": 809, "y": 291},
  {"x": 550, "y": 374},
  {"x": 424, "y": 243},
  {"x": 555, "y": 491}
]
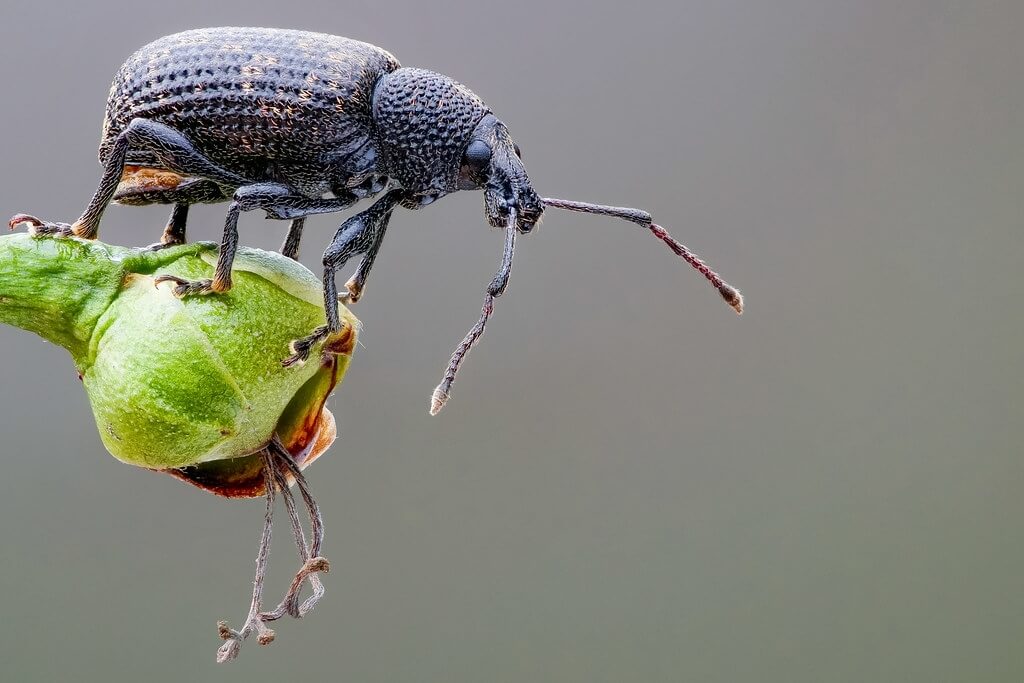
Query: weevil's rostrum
[{"x": 296, "y": 123}]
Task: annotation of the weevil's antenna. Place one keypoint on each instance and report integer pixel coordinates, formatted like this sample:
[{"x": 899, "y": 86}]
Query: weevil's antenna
[
  {"x": 494, "y": 290},
  {"x": 731, "y": 295}
]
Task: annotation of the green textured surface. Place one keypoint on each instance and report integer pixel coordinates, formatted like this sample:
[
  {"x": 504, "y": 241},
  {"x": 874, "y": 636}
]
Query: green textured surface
[{"x": 171, "y": 381}]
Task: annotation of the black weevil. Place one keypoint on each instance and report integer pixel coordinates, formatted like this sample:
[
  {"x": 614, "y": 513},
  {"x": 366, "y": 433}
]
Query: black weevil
[{"x": 298, "y": 123}]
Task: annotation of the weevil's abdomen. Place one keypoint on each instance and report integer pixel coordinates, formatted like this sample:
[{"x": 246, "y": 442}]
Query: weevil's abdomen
[{"x": 264, "y": 103}]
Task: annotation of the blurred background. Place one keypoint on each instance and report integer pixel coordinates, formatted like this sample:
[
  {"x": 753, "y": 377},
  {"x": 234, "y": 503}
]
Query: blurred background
[{"x": 630, "y": 483}]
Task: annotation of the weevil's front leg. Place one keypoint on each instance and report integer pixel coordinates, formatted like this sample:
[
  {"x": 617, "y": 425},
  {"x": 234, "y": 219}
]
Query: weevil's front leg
[
  {"x": 174, "y": 152},
  {"x": 360, "y": 234},
  {"x": 279, "y": 201},
  {"x": 357, "y": 282}
]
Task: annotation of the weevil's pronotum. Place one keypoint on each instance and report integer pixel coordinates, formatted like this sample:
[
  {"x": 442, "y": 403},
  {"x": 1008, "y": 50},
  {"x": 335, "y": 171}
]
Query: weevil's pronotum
[{"x": 298, "y": 123}]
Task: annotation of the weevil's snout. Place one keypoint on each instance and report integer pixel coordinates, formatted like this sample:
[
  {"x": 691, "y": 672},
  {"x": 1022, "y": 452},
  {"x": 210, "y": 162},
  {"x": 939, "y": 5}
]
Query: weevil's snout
[
  {"x": 499, "y": 200},
  {"x": 492, "y": 162},
  {"x": 530, "y": 209}
]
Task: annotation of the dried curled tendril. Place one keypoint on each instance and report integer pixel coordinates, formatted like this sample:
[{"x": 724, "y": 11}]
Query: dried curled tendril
[{"x": 277, "y": 464}]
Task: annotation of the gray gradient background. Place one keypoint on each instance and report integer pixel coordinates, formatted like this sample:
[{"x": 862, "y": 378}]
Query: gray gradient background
[{"x": 630, "y": 484}]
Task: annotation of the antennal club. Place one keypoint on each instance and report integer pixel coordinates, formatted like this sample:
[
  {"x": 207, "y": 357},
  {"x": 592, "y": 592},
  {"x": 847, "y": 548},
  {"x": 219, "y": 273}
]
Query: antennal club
[{"x": 731, "y": 295}]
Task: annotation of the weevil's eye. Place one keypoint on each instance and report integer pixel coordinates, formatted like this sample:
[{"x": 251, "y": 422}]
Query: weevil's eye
[
  {"x": 516, "y": 148},
  {"x": 478, "y": 156}
]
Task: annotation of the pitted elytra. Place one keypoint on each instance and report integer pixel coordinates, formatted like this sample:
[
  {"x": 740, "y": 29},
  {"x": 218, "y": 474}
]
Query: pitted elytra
[{"x": 297, "y": 123}]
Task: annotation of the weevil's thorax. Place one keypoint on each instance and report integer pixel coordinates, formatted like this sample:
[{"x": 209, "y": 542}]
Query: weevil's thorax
[{"x": 423, "y": 122}]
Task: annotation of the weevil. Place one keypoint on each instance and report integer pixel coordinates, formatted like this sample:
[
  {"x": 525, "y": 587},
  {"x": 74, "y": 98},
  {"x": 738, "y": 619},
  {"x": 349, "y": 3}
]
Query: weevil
[{"x": 296, "y": 123}]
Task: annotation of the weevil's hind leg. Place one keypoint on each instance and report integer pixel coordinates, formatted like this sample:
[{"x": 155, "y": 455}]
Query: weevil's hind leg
[
  {"x": 173, "y": 151},
  {"x": 357, "y": 235},
  {"x": 174, "y": 233},
  {"x": 290, "y": 248},
  {"x": 39, "y": 227},
  {"x": 497, "y": 287},
  {"x": 279, "y": 201}
]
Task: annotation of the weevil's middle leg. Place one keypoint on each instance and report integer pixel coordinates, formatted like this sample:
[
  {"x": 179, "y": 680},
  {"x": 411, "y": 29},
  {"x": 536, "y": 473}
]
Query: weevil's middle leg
[
  {"x": 279, "y": 201},
  {"x": 360, "y": 234}
]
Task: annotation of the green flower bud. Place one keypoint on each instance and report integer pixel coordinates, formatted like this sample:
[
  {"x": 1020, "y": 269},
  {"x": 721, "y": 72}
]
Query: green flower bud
[{"x": 194, "y": 386}]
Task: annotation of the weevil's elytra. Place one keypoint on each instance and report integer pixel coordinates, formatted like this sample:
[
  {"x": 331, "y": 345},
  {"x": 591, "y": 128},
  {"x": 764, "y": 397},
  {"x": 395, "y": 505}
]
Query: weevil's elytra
[
  {"x": 265, "y": 104},
  {"x": 296, "y": 123}
]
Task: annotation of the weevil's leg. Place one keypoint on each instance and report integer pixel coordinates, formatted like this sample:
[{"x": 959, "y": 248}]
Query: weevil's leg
[
  {"x": 290, "y": 248},
  {"x": 279, "y": 201},
  {"x": 357, "y": 282},
  {"x": 357, "y": 235},
  {"x": 37, "y": 226},
  {"x": 254, "y": 623},
  {"x": 277, "y": 465},
  {"x": 313, "y": 563},
  {"x": 174, "y": 233},
  {"x": 730, "y": 294},
  {"x": 181, "y": 196},
  {"x": 171, "y": 148},
  {"x": 290, "y": 603},
  {"x": 494, "y": 290}
]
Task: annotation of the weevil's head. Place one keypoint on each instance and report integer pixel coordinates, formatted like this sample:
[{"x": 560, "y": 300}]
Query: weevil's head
[
  {"x": 435, "y": 136},
  {"x": 492, "y": 162}
]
